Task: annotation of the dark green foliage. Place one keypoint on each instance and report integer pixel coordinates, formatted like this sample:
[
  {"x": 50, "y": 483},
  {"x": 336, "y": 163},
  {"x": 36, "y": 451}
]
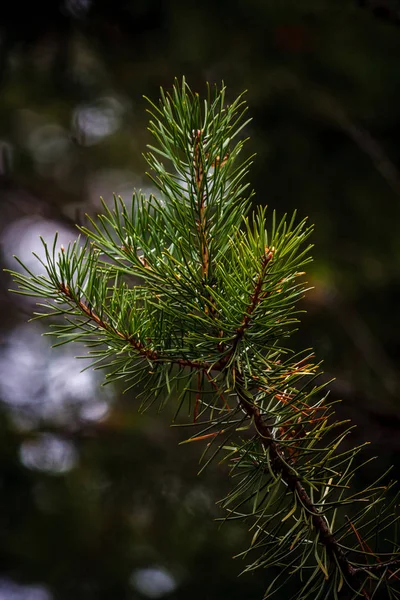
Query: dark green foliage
[{"x": 187, "y": 296}]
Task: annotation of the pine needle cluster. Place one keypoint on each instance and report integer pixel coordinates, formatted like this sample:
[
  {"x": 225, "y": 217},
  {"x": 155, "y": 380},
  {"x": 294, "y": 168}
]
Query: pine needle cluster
[{"x": 187, "y": 297}]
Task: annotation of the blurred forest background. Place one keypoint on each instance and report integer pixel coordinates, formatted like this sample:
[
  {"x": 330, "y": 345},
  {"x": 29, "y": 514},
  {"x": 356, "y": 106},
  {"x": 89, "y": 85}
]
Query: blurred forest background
[{"x": 96, "y": 501}]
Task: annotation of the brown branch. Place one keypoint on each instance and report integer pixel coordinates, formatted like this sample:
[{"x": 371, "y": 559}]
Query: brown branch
[
  {"x": 202, "y": 221},
  {"x": 280, "y": 466},
  {"x": 255, "y": 298},
  {"x": 257, "y": 294},
  {"x": 143, "y": 350},
  {"x": 202, "y": 225}
]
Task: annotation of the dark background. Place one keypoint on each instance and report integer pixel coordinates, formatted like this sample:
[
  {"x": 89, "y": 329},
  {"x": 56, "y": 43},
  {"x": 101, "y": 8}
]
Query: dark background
[{"x": 96, "y": 501}]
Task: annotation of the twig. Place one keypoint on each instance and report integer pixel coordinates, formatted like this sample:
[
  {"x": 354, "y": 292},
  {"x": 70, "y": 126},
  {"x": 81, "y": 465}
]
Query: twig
[{"x": 280, "y": 466}]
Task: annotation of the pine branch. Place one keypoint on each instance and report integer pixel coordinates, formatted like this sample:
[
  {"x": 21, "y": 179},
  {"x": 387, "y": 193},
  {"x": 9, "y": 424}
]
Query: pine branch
[
  {"x": 281, "y": 467},
  {"x": 191, "y": 298}
]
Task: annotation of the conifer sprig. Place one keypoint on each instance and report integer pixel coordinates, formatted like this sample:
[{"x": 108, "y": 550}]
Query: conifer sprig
[{"x": 187, "y": 295}]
